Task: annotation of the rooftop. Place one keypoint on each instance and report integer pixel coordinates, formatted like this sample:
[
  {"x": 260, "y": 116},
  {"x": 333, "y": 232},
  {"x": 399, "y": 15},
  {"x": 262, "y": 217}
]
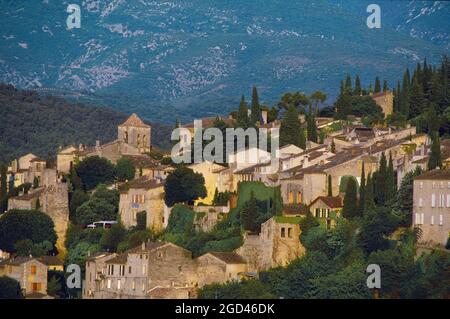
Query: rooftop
[
  {"x": 436, "y": 174},
  {"x": 228, "y": 257},
  {"x": 135, "y": 121}
]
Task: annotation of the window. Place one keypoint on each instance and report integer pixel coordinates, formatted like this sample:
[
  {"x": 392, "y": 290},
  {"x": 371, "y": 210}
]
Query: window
[
  {"x": 143, "y": 286},
  {"x": 144, "y": 269},
  {"x": 179, "y": 268},
  {"x": 433, "y": 200},
  {"x": 122, "y": 270},
  {"x": 109, "y": 284},
  {"x": 133, "y": 284},
  {"x": 441, "y": 220},
  {"x": 432, "y": 220},
  {"x": 283, "y": 232},
  {"x": 119, "y": 284},
  {"x": 129, "y": 269},
  {"x": 448, "y": 200},
  {"x": 33, "y": 270},
  {"x": 421, "y": 218},
  {"x": 290, "y": 232}
]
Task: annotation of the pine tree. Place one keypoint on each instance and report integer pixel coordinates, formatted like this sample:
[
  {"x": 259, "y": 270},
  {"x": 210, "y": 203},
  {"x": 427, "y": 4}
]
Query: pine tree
[
  {"x": 290, "y": 127},
  {"x": 435, "y": 159},
  {"x": 377, "y": 85},
  {"x": 385, "y": 86},
  {"x": 330, "y": 187},
  {"x": 242, "y": 119},
  {"x": 350, "y": 209},
  {"x": 362, "y": 190},
  {"x": 357, "y": 90},
  {"x": 256, "y": 109}
]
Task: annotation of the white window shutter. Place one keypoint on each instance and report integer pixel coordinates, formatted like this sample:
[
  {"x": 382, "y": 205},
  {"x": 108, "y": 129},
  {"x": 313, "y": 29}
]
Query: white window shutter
[
  {"x": 441, "y": 220},
  {"x": 433, "y": 200}
]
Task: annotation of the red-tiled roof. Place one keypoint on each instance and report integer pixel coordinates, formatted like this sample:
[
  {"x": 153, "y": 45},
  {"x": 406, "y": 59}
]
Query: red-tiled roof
[
  {"x": 331, "y": 202},
  {"x": 436, "y": 174},
  {"x": 135, "y": 121}
]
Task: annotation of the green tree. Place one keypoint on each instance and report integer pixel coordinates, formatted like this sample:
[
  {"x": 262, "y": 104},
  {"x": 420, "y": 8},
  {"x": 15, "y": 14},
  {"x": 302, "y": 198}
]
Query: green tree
[
  {"x": 77, "y": 199},
  {"x": 10, "y": 288},
  {"x": 369, "y": 202},
  {"x": 381, "y": 181},
  {"x": 290, "y": 128},
  {"x": 183, "y": 185},
  {"x": 311, "y": 127},
  {"x": 403, "y": 205},
  {"x": 255, "y": 107},
  {"x": 75, "y": 180},
  {"x": 18, "y": 225},
  {"x": 317, "y": 98},
  {"x": 417, "y": 101},
  {"x": 3, "y": 188},
  {"x": 385, "y": 86},
  {"x": 297, "y": 100},
  {"x": 95, "y": 210},
  {"x": 113, "y": 237},
  {"x": 357, "y": 90},
  {"x": 435, "y": 159},
  {"x": 333, "y": 146},
  {"x": 362, "y": 191},
  {"x": 125, "y": 170},
  {"x": 249, "y": 215},
  {"x": 242, "y": 119},
  {"x": 377, "y": 85},
  {"x": 94, "y": 170},
  {"x": 391, "y": 183},
  {"x": 54, "y": 287},
  {"x": 350, "y": 209}
]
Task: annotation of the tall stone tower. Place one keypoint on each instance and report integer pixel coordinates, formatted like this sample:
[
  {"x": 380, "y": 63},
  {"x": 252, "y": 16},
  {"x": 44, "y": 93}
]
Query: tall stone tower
[{"x": 136, "y": 133}]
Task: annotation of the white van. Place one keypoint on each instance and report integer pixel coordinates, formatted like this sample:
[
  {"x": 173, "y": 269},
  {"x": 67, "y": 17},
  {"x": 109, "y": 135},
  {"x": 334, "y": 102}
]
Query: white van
[{"x": 102, "y": 224}]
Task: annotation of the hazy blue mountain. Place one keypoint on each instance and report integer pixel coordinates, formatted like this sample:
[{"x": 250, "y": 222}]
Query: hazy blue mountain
[{"x": 194, "y": 58}]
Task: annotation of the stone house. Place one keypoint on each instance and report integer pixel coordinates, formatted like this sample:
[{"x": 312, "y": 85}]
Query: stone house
[
  {"x": 327, "y": 208},
  {"x": 95, "y": 274},
  {"x": 143, "y": 194},
  {"x": 431, "y": 206},
  {"x": 29, "y": 272},
  {"x": 133, "y": 138},
  {"x": 209, "y": 172},
  {"x": 54, "y": 201},
  {"x": 277, "y": 244},
  {"x": 385, "y": 100},
  {"x": 220, "y": 267}
]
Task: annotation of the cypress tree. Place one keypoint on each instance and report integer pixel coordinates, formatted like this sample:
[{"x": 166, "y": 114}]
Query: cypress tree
[
  {"x": 3, "y": 188},
  {"x": 362, "y": 190},
  {"x": 333, "y": 146},
  {"x": 242, "y": 119},
  {"x": 432, "y": 120},
  {"x": 256, "y": 110},
  {"x": 391, "y": 183},
  {"x": 330, "y": 188},
  {"x": 350, "y": 209},
  {"x": 380, "y": 181},
  {"x": 290, "y": 127},
  {"x": 385, "y": 86},
  {"x": 348, "y": 84},
  {"x": 435, "y": 159},
  {"x": 302, "y": 139},
  {"x": 377, "y": 85},
  {"x": 250, "y": 214},
  {"x": 369, "y": 203},
  {"x": 398, "y": 98},
  {"x": 417, "y": 100},
  {"x": 311, "y": 127},
  {"x": 404, "y": 106},
  {"x": 357, "y": 90},
  {"x": 35, "y": 182}
]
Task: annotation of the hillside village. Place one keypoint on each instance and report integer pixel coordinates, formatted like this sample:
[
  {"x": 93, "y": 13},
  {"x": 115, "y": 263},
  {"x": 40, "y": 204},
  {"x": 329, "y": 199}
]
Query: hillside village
[{"x": 239, "y": 221}]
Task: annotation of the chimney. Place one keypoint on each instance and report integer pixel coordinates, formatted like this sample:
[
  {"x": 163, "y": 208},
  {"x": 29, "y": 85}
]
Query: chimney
[{"x": 97, "y": 143}]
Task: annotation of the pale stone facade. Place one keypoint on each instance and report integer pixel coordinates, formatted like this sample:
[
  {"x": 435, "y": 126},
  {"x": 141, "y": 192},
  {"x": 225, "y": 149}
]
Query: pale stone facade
[
  {"x": 278, "y": 244},
  {"x": 29, "y": 272},
  {"x": 136, "y": 133},
  {"x": 143, "y": 194},
  {"x": 386, "y": 101},
  {"x": 431, "y": 206}
]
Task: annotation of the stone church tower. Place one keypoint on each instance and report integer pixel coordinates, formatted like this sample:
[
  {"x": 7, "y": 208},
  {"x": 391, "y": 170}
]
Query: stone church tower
[{"x": 136, "y": 133}]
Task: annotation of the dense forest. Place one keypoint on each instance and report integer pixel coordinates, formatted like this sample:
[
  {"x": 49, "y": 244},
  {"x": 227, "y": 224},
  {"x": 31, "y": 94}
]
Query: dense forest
[{"x": 39, "y": 124}]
